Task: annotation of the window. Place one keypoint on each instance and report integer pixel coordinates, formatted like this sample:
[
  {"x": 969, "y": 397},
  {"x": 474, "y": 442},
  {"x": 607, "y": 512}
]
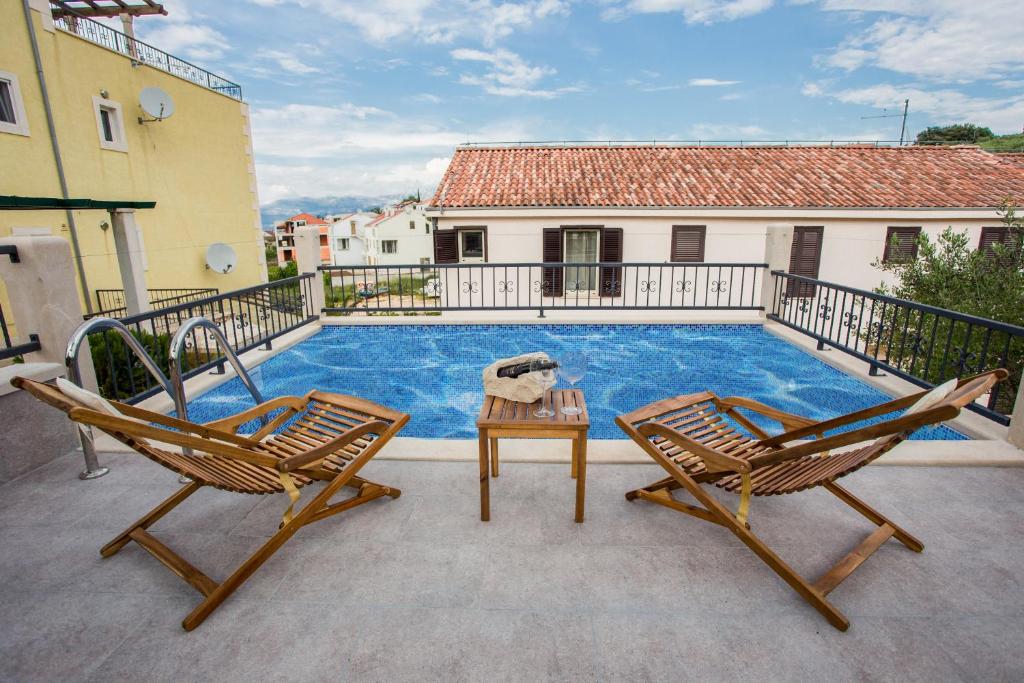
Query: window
[
  {"x": 688, "y": 243},
  {"x": 341, "y": 244},
  {"x": 412, "y": 225},
  {"x": 12, "y": 107},
  {"x": 300, "y": 223},
  {"x": 389, "y": 247},
  {"x": 352, "y": 227},
  {"x": 471, "y": 245},
  {"x": 110, "y": 124},
  {"x": 581, "y": 247},
  {"x": 900, "y": 244}
]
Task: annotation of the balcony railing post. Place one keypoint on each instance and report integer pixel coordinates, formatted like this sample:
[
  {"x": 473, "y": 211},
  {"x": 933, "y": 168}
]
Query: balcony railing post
[
  {"x": 778, "y": 242},
  {"x": 307, "y": 258},
  {"x": 1016, "y": 433}
]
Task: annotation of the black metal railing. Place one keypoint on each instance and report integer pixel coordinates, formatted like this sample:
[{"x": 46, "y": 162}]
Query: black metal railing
[
  {"x": 544, "y": 286},
  {"x": 919, "y": 343},
  {"x": 110, "y": 302},
  {"x": 8, "y": 349},
  {"x": 112, "y": 39},
  {"x": 249, "y": 317}
]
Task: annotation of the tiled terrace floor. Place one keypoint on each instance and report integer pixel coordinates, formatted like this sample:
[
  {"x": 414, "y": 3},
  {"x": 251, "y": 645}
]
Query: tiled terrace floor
[{"x": 419, "y": 589}]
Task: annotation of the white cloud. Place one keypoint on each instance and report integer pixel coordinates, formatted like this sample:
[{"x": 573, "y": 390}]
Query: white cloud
[
  {"x": 709, "y": 82},
  {"x": 433, "y": 21},
  {"x": 309, "y": 150},
  {"x": 287, "y": 62},
  {"x": 941, "y": 40},
  {"x": 693, "y": 11},
  {"x": 1002, "y": 114},
  {"x": 726, "y": 131},
  {"x": 508, "y": 74},
  {"x": 183, "y": 32},
  {"x": 188, "y": 40}
]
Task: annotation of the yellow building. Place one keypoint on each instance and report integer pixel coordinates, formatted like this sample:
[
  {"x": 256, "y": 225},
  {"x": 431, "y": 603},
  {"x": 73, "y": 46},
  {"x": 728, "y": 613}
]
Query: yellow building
[{"x": 196, "y": 165}]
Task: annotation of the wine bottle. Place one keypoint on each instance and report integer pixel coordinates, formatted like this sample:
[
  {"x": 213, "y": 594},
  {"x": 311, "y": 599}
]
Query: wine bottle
[{"x": 517, "y": 369}]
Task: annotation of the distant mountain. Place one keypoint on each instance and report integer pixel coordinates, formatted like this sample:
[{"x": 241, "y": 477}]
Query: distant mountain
[{"x": 320, "y": 206}]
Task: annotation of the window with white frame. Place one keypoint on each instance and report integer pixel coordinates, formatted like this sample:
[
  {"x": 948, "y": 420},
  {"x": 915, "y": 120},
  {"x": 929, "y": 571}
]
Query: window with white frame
[
  {"x": 389, "y": 246},
  {"x": 12, "y": 107},
  {"x": 341, "y": 244},
  {"x": 110, "y": 124}
]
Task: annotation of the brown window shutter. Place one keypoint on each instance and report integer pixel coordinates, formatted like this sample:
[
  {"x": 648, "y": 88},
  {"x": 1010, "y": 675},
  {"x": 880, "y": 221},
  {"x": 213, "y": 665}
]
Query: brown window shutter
[
  {"x": 804, "y": 258},
  {"x": 688, "y": 243},
  {"x": 991, "y": 237},
  {"x": 900, "y": 244},
  {"x": 446, "y": 248},
  {"x": 611, "y": 252},
  {"x": 553, "y": 277}
]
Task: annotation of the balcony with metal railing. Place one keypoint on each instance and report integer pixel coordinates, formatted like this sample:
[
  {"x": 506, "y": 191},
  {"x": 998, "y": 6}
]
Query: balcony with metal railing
[{"x": 143, "y": 53}]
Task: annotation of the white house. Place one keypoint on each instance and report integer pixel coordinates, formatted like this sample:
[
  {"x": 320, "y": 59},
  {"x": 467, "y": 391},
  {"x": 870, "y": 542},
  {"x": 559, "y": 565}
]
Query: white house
[
  {"x": 401, "y": 235},
  {"x": 678, "y": 204},
  {"x": 348, "y": 238}
]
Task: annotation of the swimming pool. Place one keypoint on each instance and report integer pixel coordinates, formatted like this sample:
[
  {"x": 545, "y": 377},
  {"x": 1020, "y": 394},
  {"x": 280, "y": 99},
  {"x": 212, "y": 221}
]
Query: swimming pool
[{"x": 433, "y": 371}]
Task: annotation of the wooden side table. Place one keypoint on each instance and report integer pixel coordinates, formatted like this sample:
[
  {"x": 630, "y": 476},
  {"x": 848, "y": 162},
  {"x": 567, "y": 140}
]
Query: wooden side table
[{"x": 503, "y": 419}]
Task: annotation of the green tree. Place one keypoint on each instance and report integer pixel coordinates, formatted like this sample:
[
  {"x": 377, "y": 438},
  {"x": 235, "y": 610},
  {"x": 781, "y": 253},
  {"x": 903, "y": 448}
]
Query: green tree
[
  {"x": 950, "y": 135},
  {"x": 950, "y": 274}
]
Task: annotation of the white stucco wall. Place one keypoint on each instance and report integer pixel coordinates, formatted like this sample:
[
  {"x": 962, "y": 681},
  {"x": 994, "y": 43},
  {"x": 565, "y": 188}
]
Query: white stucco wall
[{"x": 852, "y": 239}]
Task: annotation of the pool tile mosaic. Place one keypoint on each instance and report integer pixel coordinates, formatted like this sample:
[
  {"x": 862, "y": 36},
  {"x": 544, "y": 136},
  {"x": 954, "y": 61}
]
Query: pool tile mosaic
[{"x": 433, "y": 371}]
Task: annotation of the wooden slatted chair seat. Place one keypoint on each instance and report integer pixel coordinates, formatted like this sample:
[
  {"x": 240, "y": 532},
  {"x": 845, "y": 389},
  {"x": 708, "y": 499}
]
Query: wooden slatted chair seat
[
  {"x": 703, "y": 439},
  {"x": 318, "y": 437}
]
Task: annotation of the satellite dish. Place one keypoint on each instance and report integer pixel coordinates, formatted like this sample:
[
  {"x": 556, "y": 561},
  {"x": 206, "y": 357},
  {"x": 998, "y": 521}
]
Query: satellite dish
[
  {"x": 156, "y": 103},
  {"x": 221, "y": 257}
]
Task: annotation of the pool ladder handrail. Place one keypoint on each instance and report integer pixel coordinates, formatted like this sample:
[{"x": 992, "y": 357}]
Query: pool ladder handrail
[{"x": 174, "y": 386}]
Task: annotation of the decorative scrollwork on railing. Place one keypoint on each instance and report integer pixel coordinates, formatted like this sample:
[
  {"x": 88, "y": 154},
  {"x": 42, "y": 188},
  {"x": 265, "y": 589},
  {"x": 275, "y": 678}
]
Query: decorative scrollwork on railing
[
  {"x": 242, "y": 321},
  {"x": 824, "y": 311},
  {"x": 917, "y": 344},
  {"x": 537, "y": 286},
  {"x": 684, "y": 286},
  {"x": 577, "y": 285},
  {"x": 965, "y": 359},
  {"x": 472, "y": 287},
  {"x": 803, "y": 306},
  {"x": 719, "y": 286},
  {"x": 505, "y": 286},
  {"x": 648, "y": 285},
  {"x": 432, "y": 288},
  {"x": 850, "y": 319},
  {"x": 876, "y": 331}
]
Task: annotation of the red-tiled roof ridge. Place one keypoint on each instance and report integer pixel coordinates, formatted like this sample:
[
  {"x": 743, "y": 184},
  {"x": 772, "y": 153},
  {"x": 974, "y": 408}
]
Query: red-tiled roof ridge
[
  {"x": 770, "y": 176},
  {"x": 308, "y": 217}
]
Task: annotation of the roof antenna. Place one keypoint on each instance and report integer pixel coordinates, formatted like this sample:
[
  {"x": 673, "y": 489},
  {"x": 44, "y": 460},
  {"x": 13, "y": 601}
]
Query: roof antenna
[{"x": 903, "y": 129}]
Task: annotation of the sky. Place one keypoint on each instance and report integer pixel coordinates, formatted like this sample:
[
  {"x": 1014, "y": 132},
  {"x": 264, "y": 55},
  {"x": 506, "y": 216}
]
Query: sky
[{"x": 371, "y": 98}]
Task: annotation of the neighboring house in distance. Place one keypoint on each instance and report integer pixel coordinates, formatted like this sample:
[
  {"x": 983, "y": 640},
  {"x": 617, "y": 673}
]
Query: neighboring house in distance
[
  {"x": 196, "y": 165},
  {"x": 285, "y": 233},
  {"x": 677, "y": 204},
  {"x": 401, "y": 235},
  {"x": 348, "y": 238}
]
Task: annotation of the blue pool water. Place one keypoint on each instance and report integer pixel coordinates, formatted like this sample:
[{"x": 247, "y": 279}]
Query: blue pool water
[{"x": 433, "y": 371}]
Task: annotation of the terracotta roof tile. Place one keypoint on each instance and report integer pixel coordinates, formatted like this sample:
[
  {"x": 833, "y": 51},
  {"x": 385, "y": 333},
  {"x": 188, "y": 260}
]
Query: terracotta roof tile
[{"x": 649, "y": 176}]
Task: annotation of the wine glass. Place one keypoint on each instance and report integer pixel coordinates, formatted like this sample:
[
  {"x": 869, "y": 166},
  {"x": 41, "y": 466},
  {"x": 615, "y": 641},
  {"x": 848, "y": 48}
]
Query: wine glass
[
  {"x": 545, "y": 377},
  {"x": 572, "y": 365}
]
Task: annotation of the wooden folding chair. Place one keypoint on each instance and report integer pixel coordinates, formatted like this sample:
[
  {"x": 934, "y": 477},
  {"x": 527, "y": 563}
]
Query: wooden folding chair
[
  {"x": 699, "y": 439},
  {"x": 319, "y": 437}
]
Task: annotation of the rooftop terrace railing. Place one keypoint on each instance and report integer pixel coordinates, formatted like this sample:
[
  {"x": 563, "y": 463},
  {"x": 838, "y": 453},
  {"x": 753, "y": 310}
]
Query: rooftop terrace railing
[
  {"x": 248, "y": 318},
  {"x": 432, "y": 288},
  {"x": 922, "y": 344},
  {"x": 110, "y": 302},
  {"x": 101, "y": 34}
]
